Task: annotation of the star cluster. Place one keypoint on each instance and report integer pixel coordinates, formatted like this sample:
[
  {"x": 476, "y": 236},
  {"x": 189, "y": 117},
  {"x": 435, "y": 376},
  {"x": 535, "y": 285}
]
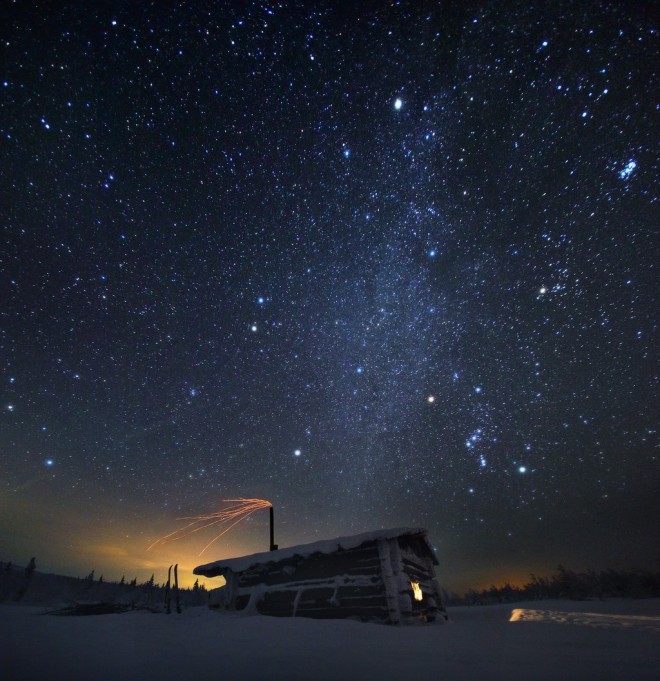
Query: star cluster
[{"x": 393, "y": 264}]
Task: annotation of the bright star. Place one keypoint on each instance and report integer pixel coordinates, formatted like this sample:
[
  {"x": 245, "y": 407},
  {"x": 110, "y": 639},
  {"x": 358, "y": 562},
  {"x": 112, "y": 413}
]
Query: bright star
[
  {"x": 297, "y": 452},
  {"x": 430, "y": 399},
  {"x": 253, "y": 328},
  {"x": 49, "y": 462},
  {"x": 628, "y": 170},
  {"x": 522, "y": 469},
  {"x": 398, "y": 104}
]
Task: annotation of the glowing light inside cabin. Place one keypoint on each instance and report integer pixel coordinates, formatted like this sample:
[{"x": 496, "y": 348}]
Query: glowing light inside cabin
[{"x": 417, "y": 590}]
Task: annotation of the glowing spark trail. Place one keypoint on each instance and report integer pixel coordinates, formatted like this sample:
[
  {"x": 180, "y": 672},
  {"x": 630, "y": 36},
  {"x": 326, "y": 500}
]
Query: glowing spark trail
[{"x": 226, "y": 519}]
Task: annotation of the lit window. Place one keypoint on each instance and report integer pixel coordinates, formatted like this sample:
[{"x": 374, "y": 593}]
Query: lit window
[{"x": 417, "y": 590}]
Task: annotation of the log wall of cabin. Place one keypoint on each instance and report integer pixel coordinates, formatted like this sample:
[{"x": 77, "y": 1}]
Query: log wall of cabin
[
  {"x": 346, "y": 583},
  {"x": 370, "y": 582}
]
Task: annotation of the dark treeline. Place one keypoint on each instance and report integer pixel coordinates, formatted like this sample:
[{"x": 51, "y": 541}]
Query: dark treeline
[
  {"x": 30, "y": 587},
  {"x": 570, "y": 585},
  {"x": 26, "y": 585}
]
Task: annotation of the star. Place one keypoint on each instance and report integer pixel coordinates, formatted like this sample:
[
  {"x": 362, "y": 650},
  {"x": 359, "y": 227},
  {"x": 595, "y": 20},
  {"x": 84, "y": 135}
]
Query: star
[
  {"x": 398, "y": 104},
  {"x": 628, "y": 170}
]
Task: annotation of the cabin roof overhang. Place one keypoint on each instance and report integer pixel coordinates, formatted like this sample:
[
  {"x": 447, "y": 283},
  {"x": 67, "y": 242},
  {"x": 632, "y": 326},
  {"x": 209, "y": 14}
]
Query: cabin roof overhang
[{"x": 224, "y": 567}]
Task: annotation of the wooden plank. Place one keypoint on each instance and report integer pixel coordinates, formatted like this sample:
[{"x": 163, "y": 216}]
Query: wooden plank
[
  {"x": 316, "y": 566},
  {"x": 280, "y": 606},
  {"x": 320, "y": 595},
  {"x": 358, "y": 591},
  {"x": 278, "y": 603},
  {"x": 309, "y": 579}
]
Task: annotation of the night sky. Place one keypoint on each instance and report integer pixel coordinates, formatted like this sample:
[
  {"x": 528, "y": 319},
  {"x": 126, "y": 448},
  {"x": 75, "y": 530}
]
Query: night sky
[{"x": 383, "y": 264}]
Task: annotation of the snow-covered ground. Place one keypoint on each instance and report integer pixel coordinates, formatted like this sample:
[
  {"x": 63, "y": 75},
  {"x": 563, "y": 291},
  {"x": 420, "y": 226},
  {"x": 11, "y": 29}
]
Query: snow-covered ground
[{"x": 553, "y": 640}]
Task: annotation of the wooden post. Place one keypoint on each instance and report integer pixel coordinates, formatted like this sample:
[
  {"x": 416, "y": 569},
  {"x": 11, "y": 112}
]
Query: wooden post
[
  {"x": 167, "y": 591},
  {"x": 273, "y": 545},
  {"x": 176, "y": 588}
]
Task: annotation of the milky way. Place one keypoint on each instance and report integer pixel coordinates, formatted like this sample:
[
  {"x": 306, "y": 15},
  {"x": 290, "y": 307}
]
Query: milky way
[{"x": 385, "y": 265}]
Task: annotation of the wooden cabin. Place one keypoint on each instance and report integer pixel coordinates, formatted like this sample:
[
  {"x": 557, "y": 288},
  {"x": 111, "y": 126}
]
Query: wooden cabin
[{"x": 386, "y": 576}]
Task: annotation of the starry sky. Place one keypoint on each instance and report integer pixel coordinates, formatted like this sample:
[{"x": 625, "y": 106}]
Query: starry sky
[{"x": 382, "y": 263}]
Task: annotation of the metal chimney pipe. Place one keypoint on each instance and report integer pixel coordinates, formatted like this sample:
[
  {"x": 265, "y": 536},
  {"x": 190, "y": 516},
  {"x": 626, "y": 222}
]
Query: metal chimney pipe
[{"x": 273, "y": 545}]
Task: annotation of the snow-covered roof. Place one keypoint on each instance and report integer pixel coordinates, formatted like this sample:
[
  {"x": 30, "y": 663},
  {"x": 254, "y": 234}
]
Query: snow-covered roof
[{"x": 219, "y": 567}]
